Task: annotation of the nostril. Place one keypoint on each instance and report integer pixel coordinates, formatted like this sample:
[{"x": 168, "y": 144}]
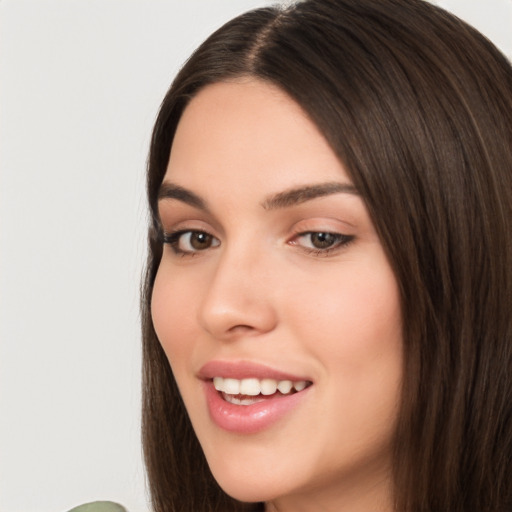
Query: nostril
[{"x": 241, "y": 328}]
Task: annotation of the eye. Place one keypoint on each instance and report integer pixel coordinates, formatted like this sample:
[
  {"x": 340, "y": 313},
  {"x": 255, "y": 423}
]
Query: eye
[
  {"x": 190, "y": 242},
  {"x": 321, "y": 241}
]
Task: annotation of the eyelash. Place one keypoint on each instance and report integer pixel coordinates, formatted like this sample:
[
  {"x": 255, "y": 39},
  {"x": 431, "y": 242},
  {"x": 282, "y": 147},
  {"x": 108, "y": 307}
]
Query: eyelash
[
  {"x": 340, "y": 242},
  {"x": 173, "y": 239}
]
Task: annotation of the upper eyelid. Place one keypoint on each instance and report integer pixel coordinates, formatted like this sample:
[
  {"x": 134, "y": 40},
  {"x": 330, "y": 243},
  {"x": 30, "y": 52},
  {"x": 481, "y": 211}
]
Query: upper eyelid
[
  {"x": 182, "y": 231},
  {"x": 323, "y": 225},
  {"x": 172, "y": 225},
  {"x": 173, "y": 212},
  {"x": 172, "y": 220}
]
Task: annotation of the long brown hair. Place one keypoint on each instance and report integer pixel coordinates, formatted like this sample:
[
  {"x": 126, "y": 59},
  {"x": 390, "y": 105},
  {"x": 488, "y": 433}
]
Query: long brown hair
[{"x": 418, "y": 107}]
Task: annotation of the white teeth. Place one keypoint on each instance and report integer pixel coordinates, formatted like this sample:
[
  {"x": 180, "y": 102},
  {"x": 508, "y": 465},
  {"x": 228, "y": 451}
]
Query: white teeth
[
  {"x": 268, "y": 386},
  {"x": 231, "y": 386},
  {"x": 285, "y": 386},
  {"x": 218, "y": 383},
  {"x": 300, "y": 385},
  {"x": 254, "y": 387},
  {"x": 238, "y": 400},
  {"x": 250, "y": 387}
]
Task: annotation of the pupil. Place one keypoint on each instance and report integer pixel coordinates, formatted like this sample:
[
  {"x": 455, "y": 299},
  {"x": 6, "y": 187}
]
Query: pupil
[
  {"x": 200, "y": 240},
  {"x": 322, "y": 240}
]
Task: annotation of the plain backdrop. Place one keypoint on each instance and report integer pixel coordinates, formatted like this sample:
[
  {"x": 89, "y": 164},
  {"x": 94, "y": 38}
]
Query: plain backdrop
[{"x": 80, "y": 85}]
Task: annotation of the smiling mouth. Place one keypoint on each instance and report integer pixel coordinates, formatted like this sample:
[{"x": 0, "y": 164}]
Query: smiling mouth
[{"x": 252, "y": 390}]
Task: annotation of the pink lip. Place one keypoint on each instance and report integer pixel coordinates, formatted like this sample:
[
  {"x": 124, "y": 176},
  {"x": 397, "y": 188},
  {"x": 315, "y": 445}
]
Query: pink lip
[
  {"x": 244, "y": 370},
  {"x": 248, "y": 419}
]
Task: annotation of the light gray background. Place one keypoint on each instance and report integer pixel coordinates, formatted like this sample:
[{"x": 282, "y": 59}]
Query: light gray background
[{"x": 80, "y": 84}]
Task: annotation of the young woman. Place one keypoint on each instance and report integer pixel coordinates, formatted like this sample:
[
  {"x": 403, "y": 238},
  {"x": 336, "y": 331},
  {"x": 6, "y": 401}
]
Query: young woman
[{"x": 327, "y": 309}]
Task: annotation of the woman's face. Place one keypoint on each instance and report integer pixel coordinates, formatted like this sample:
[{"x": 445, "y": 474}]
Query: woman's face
[{"x": 272, "y": 275}]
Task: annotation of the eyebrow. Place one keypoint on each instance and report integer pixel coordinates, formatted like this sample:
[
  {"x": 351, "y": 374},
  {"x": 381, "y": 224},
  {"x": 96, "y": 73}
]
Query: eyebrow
[
  {"x": 172, "y": 191},
  {"x": 306, "y": 193},
  {"x": 283, "y": 199}
]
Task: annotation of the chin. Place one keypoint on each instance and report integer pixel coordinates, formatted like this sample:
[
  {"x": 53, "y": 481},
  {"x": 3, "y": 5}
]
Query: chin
[
  {"x": 249, "y": 490},
  {"x": 242, "y": 492},
  {"x": 249, "y": 486}
]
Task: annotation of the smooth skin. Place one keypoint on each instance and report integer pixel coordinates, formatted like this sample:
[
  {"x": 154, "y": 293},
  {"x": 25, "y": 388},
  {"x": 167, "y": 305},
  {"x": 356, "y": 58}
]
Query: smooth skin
[{"x": 301, "y": 285}]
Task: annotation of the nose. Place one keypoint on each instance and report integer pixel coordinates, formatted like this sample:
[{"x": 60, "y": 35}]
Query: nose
[{"x": 239, "y": 299}]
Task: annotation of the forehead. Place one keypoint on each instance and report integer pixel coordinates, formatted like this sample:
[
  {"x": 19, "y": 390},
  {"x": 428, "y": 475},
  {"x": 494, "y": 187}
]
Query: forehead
[
  {"x": 248, "y": 102},
  {"x": 249, "y": 129}
]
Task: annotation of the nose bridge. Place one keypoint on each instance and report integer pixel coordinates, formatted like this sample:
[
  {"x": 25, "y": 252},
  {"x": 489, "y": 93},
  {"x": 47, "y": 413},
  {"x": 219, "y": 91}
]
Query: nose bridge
[{"x": 238, "y": 295}]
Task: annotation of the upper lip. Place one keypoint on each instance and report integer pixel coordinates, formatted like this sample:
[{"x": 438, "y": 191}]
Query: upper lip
[{"x": 245, "y": 370}]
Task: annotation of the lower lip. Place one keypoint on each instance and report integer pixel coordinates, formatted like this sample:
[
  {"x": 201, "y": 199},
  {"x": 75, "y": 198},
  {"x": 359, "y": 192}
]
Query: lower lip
[{"x": 249, "y": 419}]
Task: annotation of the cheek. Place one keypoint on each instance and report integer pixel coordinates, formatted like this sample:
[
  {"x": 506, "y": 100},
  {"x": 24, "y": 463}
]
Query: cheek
[
  {"x": 173, "y": 316},
  {"x": 352, "y": 327},
  {"x": 356, "y": 310},
  {"x": 357, "y": 328}
]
